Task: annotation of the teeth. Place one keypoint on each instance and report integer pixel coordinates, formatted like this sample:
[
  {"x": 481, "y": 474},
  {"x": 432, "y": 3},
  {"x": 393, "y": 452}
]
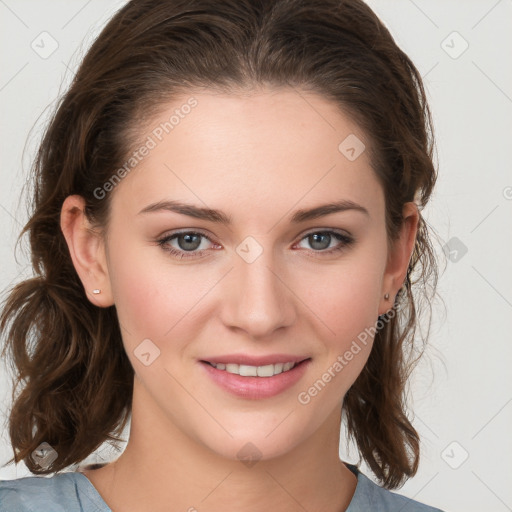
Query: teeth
[
  {"x": 248, "y": 371},
  {"x": 245, "y": 370},
  {"x": 233, "y": 368},
  {"x": 265, "y": 371}
]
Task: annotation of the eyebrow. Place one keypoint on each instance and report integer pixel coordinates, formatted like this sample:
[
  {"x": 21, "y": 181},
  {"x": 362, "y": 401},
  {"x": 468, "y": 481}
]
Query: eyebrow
[{"x": 220, "y": 217}]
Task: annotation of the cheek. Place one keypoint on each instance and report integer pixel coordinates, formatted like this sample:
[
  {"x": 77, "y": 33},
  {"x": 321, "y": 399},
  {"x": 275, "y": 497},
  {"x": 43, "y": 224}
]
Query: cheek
[
  {"x": 155, "y": 299},
  {"x": 346, "y": 307},
  {"x": 345, "y": 299},
  {"x": 146, "y": 298}
]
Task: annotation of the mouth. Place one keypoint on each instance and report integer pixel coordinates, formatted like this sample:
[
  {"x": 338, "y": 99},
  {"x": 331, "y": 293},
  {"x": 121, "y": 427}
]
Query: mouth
[
  {"x": 262, "y": 379},
  {"x": 245, "y": 370}
]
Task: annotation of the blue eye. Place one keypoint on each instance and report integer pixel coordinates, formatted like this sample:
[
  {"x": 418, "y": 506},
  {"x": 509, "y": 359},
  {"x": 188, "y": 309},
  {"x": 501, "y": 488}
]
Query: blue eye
[
  {"x": 189, "y": 242},
  {"x": 318, "y": 240}
]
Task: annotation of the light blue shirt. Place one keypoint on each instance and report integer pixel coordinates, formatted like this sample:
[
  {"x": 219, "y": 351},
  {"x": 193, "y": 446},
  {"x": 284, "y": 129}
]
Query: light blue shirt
[{"x": 74, "y": 492}]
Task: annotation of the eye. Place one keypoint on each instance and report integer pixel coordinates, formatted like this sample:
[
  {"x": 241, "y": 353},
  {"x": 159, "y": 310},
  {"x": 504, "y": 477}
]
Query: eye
[
  {"x": 187, "y": 241},
  {"x": 321, "y": 240}
]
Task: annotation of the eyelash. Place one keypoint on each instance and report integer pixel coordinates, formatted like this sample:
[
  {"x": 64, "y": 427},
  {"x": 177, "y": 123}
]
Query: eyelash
[{"x": 180, "y": 254}]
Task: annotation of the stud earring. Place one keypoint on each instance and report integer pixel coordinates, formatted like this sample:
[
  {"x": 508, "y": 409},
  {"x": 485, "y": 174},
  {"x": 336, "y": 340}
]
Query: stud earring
[
  {"x": 96, "y": 291},
  {"x": 386, "y": 296}
]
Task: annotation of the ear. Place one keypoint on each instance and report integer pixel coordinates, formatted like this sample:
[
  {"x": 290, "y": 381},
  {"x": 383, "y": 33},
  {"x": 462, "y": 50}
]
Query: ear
[
  {"x": 399, "y": 256},
  {"x": 87, "y": 250}
]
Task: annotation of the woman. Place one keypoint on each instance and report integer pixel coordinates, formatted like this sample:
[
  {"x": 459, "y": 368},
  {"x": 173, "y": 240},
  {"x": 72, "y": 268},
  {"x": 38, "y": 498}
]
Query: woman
[{"x": 226, "y": 223}]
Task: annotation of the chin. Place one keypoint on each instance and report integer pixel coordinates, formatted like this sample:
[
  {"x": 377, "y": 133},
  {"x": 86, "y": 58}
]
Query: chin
[
  {"x": 251, "y": 450},
  {"x": 250, "y": 445}
]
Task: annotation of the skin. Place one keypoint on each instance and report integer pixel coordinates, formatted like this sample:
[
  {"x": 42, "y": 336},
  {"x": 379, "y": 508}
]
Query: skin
[{"x": 258, "y": 157}]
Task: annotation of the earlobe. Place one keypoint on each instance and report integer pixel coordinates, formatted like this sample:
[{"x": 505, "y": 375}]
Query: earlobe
[
  {"x": 399, "y": 256},
  {"x": 87, "y": 251}
]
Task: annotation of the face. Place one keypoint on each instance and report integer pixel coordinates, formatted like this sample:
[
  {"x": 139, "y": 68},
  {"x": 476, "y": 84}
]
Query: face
[{"x": 258, "y": 284}]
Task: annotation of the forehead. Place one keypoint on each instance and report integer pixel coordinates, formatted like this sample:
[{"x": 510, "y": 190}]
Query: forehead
[{"x": 259, "y": 151}]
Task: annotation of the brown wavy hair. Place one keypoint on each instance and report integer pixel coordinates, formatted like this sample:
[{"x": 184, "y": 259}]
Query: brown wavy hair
[{"x": 67, "y": 352}]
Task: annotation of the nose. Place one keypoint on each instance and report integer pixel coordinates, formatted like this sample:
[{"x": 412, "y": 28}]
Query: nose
[{"x": 256, "y": 297}]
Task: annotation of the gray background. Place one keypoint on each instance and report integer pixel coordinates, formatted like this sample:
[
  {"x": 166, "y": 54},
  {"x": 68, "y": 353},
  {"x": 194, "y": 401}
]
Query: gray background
[{"x": 462, "y": 388}]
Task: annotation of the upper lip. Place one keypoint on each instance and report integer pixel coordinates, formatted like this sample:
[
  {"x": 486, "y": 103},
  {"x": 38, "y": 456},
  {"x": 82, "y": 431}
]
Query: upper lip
[{"x": 255, "y": 360}]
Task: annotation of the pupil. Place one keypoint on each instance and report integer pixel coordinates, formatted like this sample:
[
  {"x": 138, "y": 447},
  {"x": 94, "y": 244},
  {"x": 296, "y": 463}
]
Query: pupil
[
  {"x": 316, "y": 237},
  {"x": 188, "y": 239}
]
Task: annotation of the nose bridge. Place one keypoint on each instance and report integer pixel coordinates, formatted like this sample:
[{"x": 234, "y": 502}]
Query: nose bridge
[{"x": 259, "y": 300}]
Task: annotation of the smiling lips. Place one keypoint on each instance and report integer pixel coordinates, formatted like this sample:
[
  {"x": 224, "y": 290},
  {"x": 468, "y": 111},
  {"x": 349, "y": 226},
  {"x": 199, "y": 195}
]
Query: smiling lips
[
  {"x": 256, "y": 377},
  {"x": 245, "y": 370}
]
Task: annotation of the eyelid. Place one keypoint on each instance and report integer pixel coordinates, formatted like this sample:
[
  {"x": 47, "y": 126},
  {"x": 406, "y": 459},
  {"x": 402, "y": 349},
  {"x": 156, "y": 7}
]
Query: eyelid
[
  {"x": 339, "y": 231},
  {"x": 170, "y": 234}
]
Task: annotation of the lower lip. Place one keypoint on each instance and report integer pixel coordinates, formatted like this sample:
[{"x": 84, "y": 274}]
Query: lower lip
[{"x": 256, "y": 387}]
